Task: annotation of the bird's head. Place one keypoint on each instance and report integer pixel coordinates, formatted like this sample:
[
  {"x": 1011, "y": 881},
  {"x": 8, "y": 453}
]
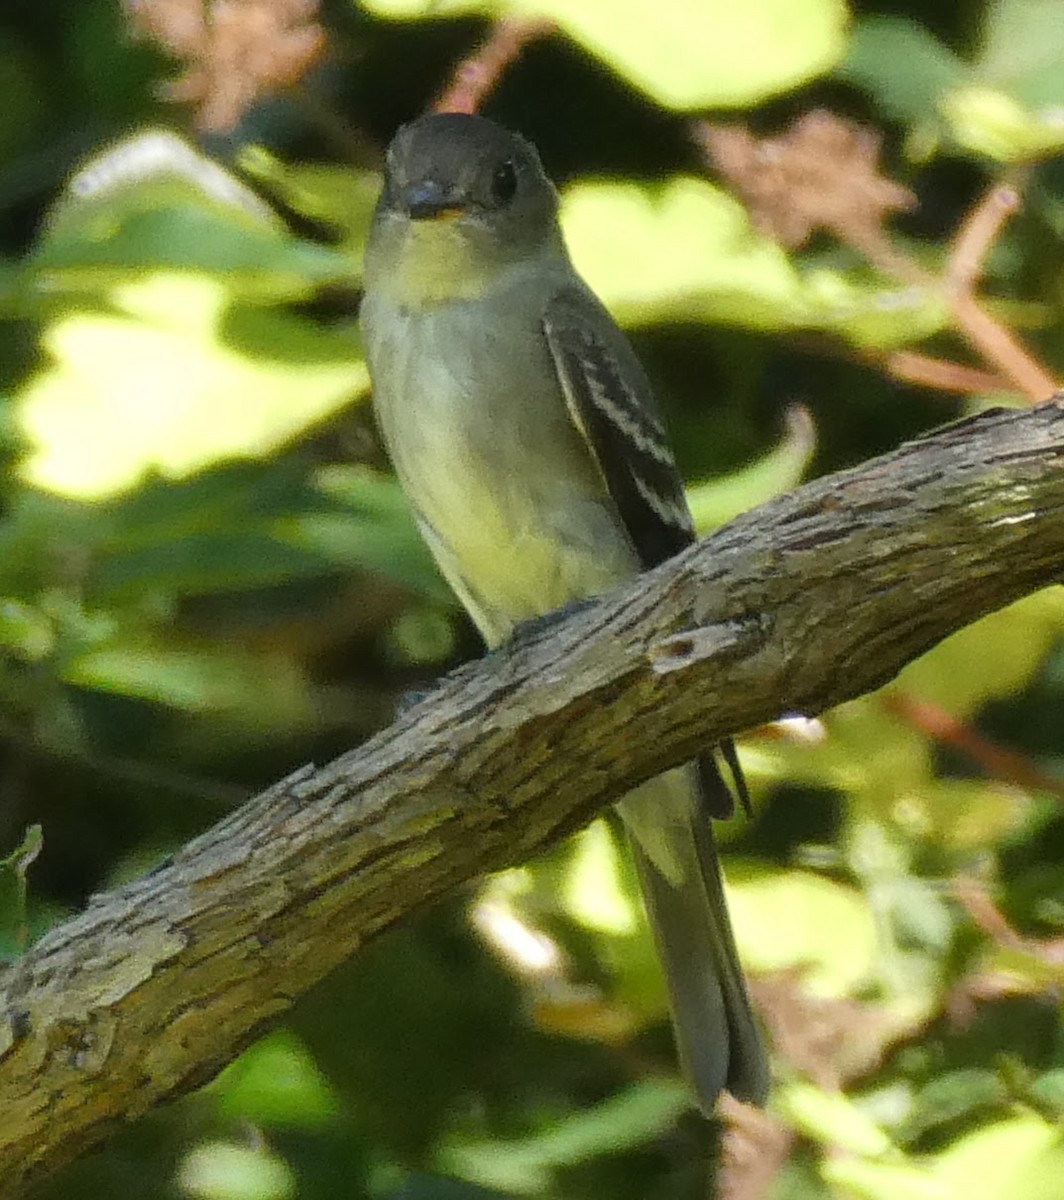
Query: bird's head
[{"x": 463, "y": 198}]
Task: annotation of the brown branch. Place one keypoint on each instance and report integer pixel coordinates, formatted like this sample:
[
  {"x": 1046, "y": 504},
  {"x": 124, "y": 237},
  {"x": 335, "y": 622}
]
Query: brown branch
[{"x": 810, "y": 600}]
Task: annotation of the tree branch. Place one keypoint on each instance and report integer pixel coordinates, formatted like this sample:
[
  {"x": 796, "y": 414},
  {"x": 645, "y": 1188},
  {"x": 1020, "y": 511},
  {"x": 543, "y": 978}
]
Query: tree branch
[{"x": 807, "y": 601}]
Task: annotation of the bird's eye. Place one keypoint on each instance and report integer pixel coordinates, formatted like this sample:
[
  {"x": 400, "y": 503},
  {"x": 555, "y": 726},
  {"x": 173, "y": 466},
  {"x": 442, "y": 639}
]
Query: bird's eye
[{"x": 504, "y": 183}]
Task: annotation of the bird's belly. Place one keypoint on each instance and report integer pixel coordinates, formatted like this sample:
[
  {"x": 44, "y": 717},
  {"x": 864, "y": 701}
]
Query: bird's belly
[
  {"x": 511, "y": 549},
  {"x": 505, "y": 490}
]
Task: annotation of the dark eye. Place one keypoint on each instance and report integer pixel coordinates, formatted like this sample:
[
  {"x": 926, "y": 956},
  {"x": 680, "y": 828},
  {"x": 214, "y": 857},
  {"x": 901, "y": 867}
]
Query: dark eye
[{"x": 504, "y": 183}]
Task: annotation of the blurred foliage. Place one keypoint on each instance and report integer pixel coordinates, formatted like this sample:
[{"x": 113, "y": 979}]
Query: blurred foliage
[
  {"x": 692, "y": 55},
  {"x": 208, "y": 576}
]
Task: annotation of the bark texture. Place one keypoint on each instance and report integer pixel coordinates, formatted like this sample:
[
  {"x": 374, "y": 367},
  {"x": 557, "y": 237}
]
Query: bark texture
[{"x": 803, "y": 603}]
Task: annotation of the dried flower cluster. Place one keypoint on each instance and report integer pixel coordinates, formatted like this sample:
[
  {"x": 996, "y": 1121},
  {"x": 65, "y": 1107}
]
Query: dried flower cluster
[
  {"x": 822, "y": 173},
  {"x": 234, "y": 51}
]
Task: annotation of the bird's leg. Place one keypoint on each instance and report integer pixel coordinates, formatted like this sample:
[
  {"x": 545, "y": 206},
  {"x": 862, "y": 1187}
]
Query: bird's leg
[{"x": 528, "y": 630}]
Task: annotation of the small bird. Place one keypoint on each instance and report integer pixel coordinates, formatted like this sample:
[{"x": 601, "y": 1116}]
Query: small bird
[{"x": 525, "y": 435}]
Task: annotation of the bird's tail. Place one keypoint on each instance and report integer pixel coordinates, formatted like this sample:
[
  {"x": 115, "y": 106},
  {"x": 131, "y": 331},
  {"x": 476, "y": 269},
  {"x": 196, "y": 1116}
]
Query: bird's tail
[{"x": 717, "y": 1036}]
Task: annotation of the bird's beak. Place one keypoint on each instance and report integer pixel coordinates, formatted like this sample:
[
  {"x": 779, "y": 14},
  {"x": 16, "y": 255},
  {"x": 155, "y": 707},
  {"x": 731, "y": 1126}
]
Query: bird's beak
[{"x": 430, "y": 201}]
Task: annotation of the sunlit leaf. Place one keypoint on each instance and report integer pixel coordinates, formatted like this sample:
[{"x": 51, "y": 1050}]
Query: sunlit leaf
[
  {"x": 831, "y": 1118},
  {"x": 795, "y": 918},
  {"x": 705, "y": 53},
  {"x": 342, "y": 197},
  {"x": 110, "y": 180},
  {"x": 593, "y": 892},
  {"x": 992, "y": 658},
  {"x": 225, "y": 1171},
  {"x": 968, "y": 813},
  {"x": 159, "y": 385},
  {"x": 865, "y": 1179},
  {"x": 866, "y": 750},
  {"x": 994, "y": 1162},
  {"x": 995, "y": 124},
  {"x": 686, "y": 251},
  {"x": 694, "y": 53}
]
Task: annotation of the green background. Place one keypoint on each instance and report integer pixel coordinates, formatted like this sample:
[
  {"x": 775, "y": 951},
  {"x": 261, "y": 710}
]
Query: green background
[{"x": 208, "y": 577}]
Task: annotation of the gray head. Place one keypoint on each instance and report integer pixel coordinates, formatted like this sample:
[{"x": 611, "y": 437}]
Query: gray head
[{"x": 462, "y": 198}]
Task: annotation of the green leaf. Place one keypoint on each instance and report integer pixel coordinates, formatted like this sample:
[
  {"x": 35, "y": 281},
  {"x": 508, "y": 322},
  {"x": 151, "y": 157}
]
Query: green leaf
[
  {"x": 435, "y": 1187},
  {"x": 257, "y": 264},
  {"x": 377, "y": 532},
  {"x": 233, "y": 527},
  {"x": 525, "y": 1167},
  {"x": 862, "y": 1179},
  {"x": 969, "y": 814},
  {"x": 862, "y": 749},
  {"x": 160, "y": 383},
  {"x": 258, "y": 689},
  {"x": 224, "y": 1171},
  {"x": 1048, "y": 1090},
  {"x": 795, "y": 918},
  {"x": 991, "y": 659},
  {"x": 831, "y": 1118},
  {"x": 716, "y": 502},
  {"x": 25, "y": 631},
  {"x": 686, "y": 251},
  {"x": 341, "y": 197},
  {"x": 705, "y": 53},
  {"x": 903, "y": 65},
  {"x": 276, "y": 1083},
  {"x": 692, "y": 53},
  {"x": 109, "y": 181},
  {"x": 593, "y": 889},
  {"x": 1001, "y": 1161},
  {"x": 996, "y": 124},
  {"x": 1005, "y": 106},
  {"x": 154, "y": 203},
  {"x": 1023, "y": 41},
  {"x": 14, "y": 867},
  {"x": 952, "y": 1097}
]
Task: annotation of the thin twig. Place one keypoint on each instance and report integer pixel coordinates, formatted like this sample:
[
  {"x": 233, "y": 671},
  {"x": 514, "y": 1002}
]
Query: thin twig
[
  {"x": 977, "y": 234},
  {"x": 824, "y": 173},
  {"x": 910, "y": 366},
  {"x": 1000, "y": 347},
  {"x": 477, "y": 76},
  {"x": 996, "y": 760}
]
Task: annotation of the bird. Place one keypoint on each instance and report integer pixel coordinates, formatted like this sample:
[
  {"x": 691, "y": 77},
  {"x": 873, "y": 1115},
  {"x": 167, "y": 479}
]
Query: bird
[{"x": 525, "y": 434}]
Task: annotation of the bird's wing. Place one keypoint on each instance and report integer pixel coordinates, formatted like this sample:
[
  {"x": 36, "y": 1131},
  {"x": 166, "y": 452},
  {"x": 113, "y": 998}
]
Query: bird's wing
[{"x": 611, "y": 403}]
